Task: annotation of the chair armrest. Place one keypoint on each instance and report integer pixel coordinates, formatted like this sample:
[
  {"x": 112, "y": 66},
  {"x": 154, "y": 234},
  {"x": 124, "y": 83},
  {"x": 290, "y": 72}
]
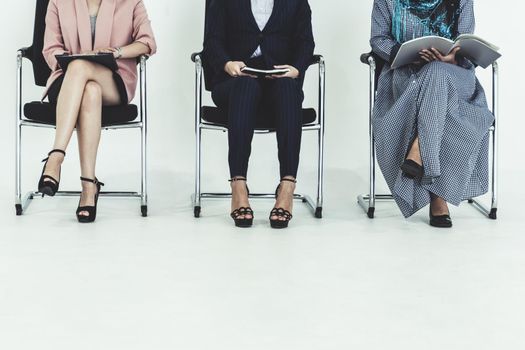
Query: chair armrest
[
  {"x": 316, "y": 59},
  {"x": 195, "y": 55},
  {"x": 366, "y": 57},
  {"x": 24, "y": 51}
]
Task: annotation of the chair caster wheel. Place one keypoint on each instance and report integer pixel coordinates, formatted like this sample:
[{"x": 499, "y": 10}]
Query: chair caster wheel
[
  {"x": 197, "y": 212},
  {"x": 493, "y": 214},
  {"x": 19, "y": 210},
  {"x": 470, "y": 201},
  {"x": 371, "y": 212},
  {"x": 144, "y": 211},
  {"x": 319, "y": 212}
]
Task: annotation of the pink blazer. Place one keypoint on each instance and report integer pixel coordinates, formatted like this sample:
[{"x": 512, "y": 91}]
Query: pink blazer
[{"x": 119, "y": 23}]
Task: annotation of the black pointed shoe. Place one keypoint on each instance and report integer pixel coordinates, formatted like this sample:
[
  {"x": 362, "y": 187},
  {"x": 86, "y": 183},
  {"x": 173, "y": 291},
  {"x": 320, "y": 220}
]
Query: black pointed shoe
[
  {"x": 441, "y": 221},
  {"x": 412, "y": 170}
]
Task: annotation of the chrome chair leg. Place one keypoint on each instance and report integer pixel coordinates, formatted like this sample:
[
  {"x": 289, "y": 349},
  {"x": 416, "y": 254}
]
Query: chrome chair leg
[{"x": 198, "y": 137}]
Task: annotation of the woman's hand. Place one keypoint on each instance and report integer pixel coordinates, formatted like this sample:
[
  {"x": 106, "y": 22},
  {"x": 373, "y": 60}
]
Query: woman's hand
[
  {"x": 293, "y": 72},
  {"x": 234, "y": 69},
  {"x": 434, "y": 55},
  {"x": 109, "y": 50}
]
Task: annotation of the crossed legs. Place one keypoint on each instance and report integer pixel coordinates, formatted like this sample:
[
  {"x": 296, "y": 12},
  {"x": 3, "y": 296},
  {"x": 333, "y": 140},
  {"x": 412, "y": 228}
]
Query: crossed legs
[{"x": 85, "y": 89}]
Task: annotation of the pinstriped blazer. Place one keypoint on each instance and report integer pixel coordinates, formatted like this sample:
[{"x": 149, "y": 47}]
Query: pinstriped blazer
[{"x": 232, "y": 34}]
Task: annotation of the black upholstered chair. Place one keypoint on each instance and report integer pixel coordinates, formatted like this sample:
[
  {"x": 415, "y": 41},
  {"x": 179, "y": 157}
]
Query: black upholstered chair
[
  {"x": 43, "y": 114},
  {"x": 368, "y": 201},
  {"x": 213, "y": 118}
]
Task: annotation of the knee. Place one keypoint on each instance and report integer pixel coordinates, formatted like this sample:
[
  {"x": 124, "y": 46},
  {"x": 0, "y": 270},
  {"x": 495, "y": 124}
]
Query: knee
[
  {"x": 92, "y": 98},
  {"x": 79, "y": 68},
  {"x": 247, "y": 85},
  {"x": 436, "y": 69},
  {"x": 286, "y": 89}
]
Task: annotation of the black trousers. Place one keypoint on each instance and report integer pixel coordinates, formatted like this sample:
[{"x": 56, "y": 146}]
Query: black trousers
[{"x": 244, "y": 98}]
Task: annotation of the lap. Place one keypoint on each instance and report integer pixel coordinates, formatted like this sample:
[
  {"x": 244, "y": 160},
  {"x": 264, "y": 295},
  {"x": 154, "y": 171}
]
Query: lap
[
  {"x": 112, "y": 86},
  {"x": 267, "y": 90}
]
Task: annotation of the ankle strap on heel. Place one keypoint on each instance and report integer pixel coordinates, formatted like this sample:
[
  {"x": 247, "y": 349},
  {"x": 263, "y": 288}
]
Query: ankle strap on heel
[
  {"x": 54, "y": 151},
  {"x": 237, "y": 179},
  {"x": 93, "y": 181},
  {"x": 289, "y": 180}
]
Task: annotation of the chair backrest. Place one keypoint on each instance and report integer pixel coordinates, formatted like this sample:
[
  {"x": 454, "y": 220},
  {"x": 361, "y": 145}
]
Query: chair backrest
[
  {"x": 208, "y": 72},
  {"x": 41, "y": 70}
]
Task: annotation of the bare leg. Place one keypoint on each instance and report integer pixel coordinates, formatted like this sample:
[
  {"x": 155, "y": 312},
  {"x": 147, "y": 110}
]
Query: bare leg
[
  {"x": 415, "y": 153},
  {"x": 79, "y": 73},
  {"x": 240, "y": 197},
  {"x": 285, "y": 196}
]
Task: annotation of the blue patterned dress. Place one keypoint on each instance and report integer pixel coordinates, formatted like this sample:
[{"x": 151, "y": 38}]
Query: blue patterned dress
[{"x": 443, "y": 104}]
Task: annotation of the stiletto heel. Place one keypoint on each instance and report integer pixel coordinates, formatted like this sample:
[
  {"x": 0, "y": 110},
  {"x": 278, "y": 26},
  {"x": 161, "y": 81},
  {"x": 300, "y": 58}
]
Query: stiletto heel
[
  {"x": 49, "y": 188},
  {"x": 92, "y": 210},
  {"x": 242, "y": 211},
  {"x": 411, "y": 169},
  {"x": 280, "y": 213}
]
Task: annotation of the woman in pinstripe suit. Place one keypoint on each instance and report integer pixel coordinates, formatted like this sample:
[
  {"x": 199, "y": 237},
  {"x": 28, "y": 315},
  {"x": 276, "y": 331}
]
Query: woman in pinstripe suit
[
  {"x": 431, "y": 118},
  {"x": 261, "y": 34}
]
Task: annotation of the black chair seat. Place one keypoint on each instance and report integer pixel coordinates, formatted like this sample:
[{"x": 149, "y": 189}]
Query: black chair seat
[
  {"x": 44, "y": 112},
  {"x": 265, "y": 120}
]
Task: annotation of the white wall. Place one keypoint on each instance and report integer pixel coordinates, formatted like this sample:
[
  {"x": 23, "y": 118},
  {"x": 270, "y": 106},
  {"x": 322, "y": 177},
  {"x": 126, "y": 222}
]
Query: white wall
[{"x": 341, "y": 30}]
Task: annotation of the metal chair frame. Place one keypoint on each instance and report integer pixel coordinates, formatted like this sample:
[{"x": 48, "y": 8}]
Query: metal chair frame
[
  {"x": 200, "y": 125},
  {"x": 22, "y": 201},
  {"x": 368, "y": 201}
]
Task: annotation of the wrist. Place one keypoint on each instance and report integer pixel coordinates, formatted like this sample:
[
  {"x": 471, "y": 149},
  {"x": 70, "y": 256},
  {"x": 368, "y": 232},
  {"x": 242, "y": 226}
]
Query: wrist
[{"x": 118, "y": 52}]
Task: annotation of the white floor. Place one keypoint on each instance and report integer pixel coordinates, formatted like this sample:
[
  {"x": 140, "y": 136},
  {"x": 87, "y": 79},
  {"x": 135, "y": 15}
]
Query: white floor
[{"x": 174, "y": 282}]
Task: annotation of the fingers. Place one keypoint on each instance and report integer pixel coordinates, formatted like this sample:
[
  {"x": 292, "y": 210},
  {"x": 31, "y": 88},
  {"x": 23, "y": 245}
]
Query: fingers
[
  {"x": 438, "y": 54},
  {"x": 427, "y": 56}
]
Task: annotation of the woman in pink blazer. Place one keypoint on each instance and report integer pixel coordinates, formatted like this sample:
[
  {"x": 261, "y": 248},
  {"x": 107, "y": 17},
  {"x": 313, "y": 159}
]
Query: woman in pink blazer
[{"x": 120, "y": 27}]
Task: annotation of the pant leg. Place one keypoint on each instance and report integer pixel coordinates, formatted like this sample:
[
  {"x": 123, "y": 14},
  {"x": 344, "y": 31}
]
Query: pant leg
[
  {"x": 240, "y": 97},
  {"x": 286, "y": 97}
]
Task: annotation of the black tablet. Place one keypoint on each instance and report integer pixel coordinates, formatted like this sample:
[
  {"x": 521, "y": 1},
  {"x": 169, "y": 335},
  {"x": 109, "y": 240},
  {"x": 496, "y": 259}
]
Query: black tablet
[{"x": 105, "y": 59}]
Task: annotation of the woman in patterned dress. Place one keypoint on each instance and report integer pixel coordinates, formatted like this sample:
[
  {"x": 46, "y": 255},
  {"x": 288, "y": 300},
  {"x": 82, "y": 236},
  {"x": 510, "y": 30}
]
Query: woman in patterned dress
[{"x": 431, "y": 119}]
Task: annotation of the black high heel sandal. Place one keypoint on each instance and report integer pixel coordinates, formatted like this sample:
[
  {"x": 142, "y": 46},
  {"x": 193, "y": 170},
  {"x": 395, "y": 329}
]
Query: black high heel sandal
[
  {"x": 441, "y": 221},
  {"x": 242, "y": 211},
  {"x": 49, "y": 188},
  {"x": 92, "y": 210},
  {"x": 411, "y": 169},
  {"x": 280, "y": 213}
]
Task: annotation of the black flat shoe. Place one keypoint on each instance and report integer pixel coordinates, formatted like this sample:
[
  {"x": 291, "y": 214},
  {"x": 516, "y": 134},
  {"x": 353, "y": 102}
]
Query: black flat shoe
[
  {"x": 280, "y": 213},
  {"x": 412, "y": 170},
  {"x": 442, "y": 221},
  {"x": 243, "y": 211},
  {"x": 92, "y": 210},
  {"x": 48, "y": 185}
]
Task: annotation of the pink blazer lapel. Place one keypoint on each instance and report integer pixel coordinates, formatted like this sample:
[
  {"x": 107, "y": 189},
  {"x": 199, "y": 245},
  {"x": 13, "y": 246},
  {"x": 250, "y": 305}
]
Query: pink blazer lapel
[
  {"x": 83, "y": 25},
  {"x": 104, "y": 24}
]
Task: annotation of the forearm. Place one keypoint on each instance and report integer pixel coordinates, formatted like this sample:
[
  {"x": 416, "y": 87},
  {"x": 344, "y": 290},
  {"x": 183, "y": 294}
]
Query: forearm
[{"x": 134, "y": 50}]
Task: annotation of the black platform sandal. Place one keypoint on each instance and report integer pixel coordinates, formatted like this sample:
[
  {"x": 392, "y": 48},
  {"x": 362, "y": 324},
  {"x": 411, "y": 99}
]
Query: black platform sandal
[
  {"x": 48, "y": 185},
  {"x": 243, "y": 211},
  {"x": 441, "y": 221},
  {"x": 280, "y": 213},
  {"x": 92, "y": 210},
  {"x": 411, "y": 169}
]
